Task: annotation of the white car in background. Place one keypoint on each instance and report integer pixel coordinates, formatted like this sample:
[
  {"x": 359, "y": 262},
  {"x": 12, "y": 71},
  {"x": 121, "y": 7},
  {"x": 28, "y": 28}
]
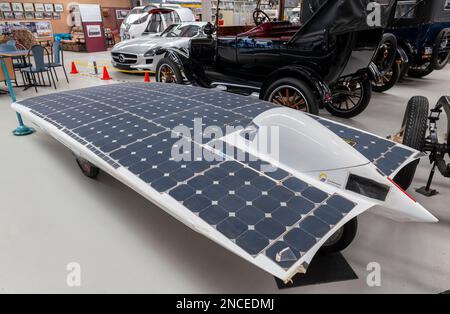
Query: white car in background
[
  {"x": 153, "y": 19},
  {"x": 139, "y": 53}
]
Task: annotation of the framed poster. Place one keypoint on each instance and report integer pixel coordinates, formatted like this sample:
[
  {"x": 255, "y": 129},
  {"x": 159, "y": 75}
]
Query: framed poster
[
  {"x": 94, "y": 31},
  {"x": 17, "y": 7},
  {"x": 39, "y": 7},
  {"x": 48, "y": 7},
  {"x": 48, "y": 15},
  {"x": 5, "y": 6},
  {"x": 122, "y": 14},
  {"x": 90, "y": 13},
  {"x": 59, "y": 7},
  {"x": 39, "y": 15},
  {"x": 28, "y": 7},
  {"x": 29, "y": 15},
  {"x": 56, "y": 15},
  {"x": 43, "y": 29},
  {"x": 19, "y": 15},
  {"x": 8, "y": 15}
]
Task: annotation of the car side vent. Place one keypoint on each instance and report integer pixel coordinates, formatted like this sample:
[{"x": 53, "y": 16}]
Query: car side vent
[{"x": 367, "y": 187}]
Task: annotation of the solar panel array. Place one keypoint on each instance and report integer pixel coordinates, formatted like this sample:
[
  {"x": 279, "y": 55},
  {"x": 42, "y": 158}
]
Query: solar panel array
[
  {"x": 132, "y": 125},
  {"x": 386, "y": 155}
]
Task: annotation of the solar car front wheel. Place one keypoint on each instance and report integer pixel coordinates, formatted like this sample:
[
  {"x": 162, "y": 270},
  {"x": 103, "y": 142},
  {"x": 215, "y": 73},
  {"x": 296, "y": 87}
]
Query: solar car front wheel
[
  {"x": 350, "y": 97},
  {"x": 87, "y": 168},
  {"x": 167, "y": 71},
  {"x": 341, "y": 239},
  {"x": 293, "y": 93}
]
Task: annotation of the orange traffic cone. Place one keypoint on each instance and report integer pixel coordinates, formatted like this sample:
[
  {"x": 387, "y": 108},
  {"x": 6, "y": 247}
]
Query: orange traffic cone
[
  {"x": 106, "y": 76},
  {"x": 147, "y": 77},
  {"x": 74, "y": 69}
]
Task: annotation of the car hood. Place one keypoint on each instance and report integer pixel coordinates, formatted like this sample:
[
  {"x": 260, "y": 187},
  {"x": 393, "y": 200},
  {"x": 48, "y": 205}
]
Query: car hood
[{"x": 143, "y": 44}]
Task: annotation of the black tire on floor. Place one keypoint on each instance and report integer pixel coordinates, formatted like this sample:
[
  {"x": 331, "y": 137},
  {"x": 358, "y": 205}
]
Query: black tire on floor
[
  {"x": 88, "y": 169},
  {"x": 419, "y": 73},
  {"x": 439, "y": 60},
  {"x": 414, "y": 128},
  {"x": 337, "y": 109},
  {"x": 389, "y": 79},
  {"x": 167, "y": 71},
  {"x": 341, "y": 239},
  {"x": 403, "y": 72},
  {"x": 305, "y": 95}
]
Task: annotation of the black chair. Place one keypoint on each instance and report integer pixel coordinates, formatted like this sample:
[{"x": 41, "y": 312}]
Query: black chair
[
  {"x": 57, "y": 60},
  {"x": 38, "y": 52}
]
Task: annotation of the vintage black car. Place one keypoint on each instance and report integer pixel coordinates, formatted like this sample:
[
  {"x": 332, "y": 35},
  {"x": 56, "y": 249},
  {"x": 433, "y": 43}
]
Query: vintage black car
[
  {"x": 323, "y": 61},
  {"x": 422, "y": 31}
]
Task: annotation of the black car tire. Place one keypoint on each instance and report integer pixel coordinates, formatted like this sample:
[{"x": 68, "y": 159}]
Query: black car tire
[
  {"x": 438, "y": 63},
  {"x": 390, "y": 78},
  {"x": 419, "y": 73},
  {"x": 170, "y": 66},
  {"x": 359, "y": 107},
  {"x": 88, "y": 169},
  {"x": 404, "y": 68},
  {"x": 341, "y": 239},
  {"x": 414, "y": 127},
  {"x": 297, "y": 85}
]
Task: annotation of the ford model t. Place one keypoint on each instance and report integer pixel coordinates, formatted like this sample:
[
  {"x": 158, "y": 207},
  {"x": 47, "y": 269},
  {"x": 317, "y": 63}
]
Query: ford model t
[
  {"x": 323, "y": 61},
  {"x": 422, "y": 30}
]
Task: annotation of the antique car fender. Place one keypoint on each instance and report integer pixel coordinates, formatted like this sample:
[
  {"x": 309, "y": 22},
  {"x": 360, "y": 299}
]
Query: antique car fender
[
  {"x": 321, "y": 90},
  {"x": 402, "y": 56}
]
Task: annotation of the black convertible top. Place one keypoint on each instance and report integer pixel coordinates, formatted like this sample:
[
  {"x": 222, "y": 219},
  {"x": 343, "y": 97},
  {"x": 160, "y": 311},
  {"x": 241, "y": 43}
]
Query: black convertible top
[{"x": 340, "y": 16}]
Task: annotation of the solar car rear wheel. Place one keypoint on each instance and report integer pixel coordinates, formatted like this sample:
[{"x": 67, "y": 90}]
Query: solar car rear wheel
[
  {"x": 389, "y": 79},
  {"x": 168, "y": 71},
  {"x": 350, "y": 98},
  {"x": 293, "y": 93},
  {"x": 87, "y": 168},
  {"x": 413, "y": 134},
  {"x": 341, "y": 239}
]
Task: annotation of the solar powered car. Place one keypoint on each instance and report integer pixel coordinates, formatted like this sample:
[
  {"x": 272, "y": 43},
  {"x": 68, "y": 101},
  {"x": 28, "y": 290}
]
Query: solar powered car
[
  {"x": 422, "y": 30},
  {"x": 269, "y": 183},
  {"x": 324, "y": 61}
]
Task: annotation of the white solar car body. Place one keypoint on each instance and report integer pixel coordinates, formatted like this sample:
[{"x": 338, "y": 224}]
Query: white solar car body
[{"x": 273, "y": 207}]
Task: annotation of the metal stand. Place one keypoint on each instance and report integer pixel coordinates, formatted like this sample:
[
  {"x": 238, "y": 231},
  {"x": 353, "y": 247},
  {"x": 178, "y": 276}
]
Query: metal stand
[
  {"x": 22, "y": 129},
  {"x": 426, "y": 190}
]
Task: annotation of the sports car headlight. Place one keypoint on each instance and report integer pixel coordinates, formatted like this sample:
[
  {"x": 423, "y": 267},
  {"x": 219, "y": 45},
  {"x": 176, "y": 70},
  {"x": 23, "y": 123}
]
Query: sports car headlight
[{"x": 151, "y": 52}]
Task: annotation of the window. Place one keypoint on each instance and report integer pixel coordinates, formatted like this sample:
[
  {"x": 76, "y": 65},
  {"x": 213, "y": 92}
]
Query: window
[
  {"x": 155, "y": 24},
  {"x": 406, "y": 9},
  {"x": 447, "y": 5}
]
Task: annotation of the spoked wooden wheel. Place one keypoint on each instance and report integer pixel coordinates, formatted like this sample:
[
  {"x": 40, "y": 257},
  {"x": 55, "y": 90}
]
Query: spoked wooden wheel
[
  {"x": 291, "y": 97},
  {"x": 350, "y": 97}
]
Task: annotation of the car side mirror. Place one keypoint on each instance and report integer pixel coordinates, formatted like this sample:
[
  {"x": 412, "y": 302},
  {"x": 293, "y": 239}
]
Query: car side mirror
[{"x": 209, "y": 29}]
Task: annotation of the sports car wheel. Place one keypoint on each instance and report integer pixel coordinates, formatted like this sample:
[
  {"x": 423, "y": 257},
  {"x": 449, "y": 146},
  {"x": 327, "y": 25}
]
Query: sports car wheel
[
  {"x": 350, "y": 98},
  {"x": 292, "y": 93},
  {"x": 87, "y": 168},
  {"x": 412, "y": 134},
  {"x": 341, "y": 239},
  {"x": 420, "y": 71},
  {"x": 390, "y": 78},
  {"x": 168, "y": 71}
]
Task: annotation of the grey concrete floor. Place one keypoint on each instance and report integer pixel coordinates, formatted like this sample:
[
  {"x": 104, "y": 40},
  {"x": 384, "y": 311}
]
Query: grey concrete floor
[{"x": 51, "y": 215}]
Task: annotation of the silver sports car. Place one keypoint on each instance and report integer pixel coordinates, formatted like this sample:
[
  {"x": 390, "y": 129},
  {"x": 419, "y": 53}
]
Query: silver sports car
[{"x": 139, "y": 53}]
